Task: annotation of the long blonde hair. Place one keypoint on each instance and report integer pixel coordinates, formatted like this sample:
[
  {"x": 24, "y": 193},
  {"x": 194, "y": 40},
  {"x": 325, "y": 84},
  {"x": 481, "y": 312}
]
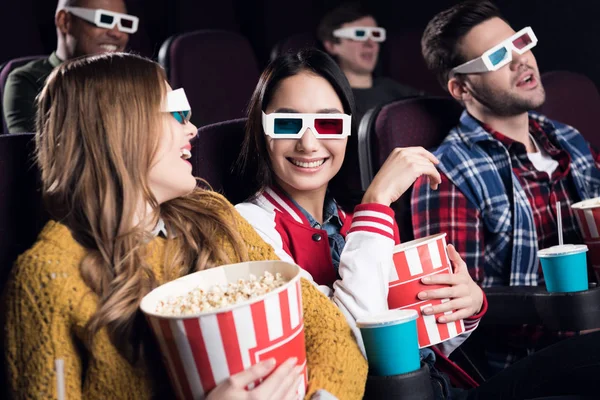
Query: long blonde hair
[{"x": 98, "y": 128}]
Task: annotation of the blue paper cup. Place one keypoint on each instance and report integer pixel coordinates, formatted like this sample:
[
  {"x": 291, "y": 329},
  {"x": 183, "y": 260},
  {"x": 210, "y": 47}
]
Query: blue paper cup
[
  {"x": 391, "y": 342},
  {"x": 565, "y": 268}
]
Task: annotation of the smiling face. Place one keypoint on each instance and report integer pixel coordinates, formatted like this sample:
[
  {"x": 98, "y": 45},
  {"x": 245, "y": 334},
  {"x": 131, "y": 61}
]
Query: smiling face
[
  {"x": 85, "y": 38},
  {"x": 306, "y": 164},
  {"x": 359, "y": 57},
  {"x": 170, "y": 175},
  {"x": 511, "y": 90}
]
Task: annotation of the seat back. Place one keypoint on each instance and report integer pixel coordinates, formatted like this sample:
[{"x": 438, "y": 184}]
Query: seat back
[
  {"x": 217, "y": 69},
  {"x": 573, "y": 99},
  {"x": 5, "y": 70},
  {"x": 21, "y": 212},
  {"x": 214, "y": 153},
  {"x": 412, "y": 122},
  {"x": 403, "y": 62},
  {"x": 190, "y": 16}
]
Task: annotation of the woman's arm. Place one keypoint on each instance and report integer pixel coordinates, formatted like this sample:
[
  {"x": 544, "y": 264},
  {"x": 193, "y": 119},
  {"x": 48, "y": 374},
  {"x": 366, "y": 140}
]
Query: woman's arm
[{"x": 41, "y": 358}]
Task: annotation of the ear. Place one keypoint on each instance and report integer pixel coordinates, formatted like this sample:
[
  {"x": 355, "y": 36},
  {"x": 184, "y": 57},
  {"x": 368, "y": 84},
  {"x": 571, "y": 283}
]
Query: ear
[
  {"x": 63, "y": 22},
  {"x": 457, "y": 88},
  {"x": 330, "y": 47}
]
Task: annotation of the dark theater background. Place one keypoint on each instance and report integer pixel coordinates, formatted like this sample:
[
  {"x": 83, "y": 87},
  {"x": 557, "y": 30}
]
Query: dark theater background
[
  {"x": 220, "y": 74},
  {"x": 567, "y": 30}
]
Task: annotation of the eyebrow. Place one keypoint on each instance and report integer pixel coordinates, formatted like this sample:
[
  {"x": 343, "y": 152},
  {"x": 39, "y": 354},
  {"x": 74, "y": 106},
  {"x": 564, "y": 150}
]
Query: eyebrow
[{"x": 322, "y": 111}]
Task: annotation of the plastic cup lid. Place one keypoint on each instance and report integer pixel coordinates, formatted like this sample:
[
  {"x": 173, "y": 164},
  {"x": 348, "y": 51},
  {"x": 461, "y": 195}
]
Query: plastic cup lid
[
  {"x": 563, "y": 250},
  {"x": 585, "y": 204},
  {"x": 387, "y": 318}
]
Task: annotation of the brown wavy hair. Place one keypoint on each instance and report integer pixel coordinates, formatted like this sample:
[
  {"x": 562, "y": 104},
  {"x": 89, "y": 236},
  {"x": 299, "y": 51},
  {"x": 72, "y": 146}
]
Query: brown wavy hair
[{"x": 98, "y": 125}]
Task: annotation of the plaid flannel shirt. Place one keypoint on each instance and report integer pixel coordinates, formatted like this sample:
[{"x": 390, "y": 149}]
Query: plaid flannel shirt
[{"x": 498, "y": 231}]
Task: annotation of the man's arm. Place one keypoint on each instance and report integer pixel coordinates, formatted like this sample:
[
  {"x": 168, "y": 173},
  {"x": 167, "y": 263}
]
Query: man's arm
[{"x": 18, "y": 104}]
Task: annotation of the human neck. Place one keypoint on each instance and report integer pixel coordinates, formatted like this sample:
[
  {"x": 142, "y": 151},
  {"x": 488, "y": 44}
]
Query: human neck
[
  {"x": 514, "y": 127},
  {"x": 358, "y": 80},
  {"x": 312, "y": 201},
  {"x": 62, "y": 51},
  {"x": 145, "y": 218}
]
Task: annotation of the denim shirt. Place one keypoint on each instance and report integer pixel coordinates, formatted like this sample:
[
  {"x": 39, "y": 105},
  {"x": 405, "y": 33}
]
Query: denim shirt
[{"x": 332, "y": 224}]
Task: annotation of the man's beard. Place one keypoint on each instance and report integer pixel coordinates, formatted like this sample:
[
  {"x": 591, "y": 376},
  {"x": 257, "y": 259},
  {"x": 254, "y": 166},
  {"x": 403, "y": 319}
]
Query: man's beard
[{"x": 507, "y": 104}]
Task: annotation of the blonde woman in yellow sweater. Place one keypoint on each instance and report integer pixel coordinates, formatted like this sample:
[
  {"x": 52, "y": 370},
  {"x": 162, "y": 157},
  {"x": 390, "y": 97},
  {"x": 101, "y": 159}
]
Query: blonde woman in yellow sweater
[{"x": 127, "y": 216}]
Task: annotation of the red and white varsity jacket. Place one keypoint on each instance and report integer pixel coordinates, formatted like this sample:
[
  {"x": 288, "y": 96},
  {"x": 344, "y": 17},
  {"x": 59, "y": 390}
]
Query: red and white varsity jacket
[{"x": 365, "y": 265}]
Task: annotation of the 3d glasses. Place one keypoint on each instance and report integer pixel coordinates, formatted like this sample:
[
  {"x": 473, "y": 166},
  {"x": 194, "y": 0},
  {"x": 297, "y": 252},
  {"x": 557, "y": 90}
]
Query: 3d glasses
[
  {"x": 106, "y": 19},
  {"x": 177, "y": 104},
  {"x": 499, "y": 55},
  {"x": 293, "y": 125},
  {"x": 361, "y": 33}
]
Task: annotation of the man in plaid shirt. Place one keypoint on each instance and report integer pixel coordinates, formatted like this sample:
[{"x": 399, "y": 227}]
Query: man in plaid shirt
[{"x": 503, "y": 167}]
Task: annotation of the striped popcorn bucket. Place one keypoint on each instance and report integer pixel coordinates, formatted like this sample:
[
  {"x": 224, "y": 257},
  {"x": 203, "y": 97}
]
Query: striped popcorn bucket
[
  {"x": 587, "y": 213},
  {"x": 594, "y": 256},
  {"x": 202, "y": 350},
  {"x": 413, "y": 261}
]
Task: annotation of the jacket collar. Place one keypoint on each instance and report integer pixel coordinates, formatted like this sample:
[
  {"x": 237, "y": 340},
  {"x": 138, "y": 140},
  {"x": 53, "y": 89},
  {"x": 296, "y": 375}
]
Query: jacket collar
[
  {"x": 471, "y": 132},
  {"x": 281, "y": 202}
]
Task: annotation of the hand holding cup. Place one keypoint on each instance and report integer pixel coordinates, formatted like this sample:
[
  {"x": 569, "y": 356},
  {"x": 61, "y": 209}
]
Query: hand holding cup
[{"x": 466, "y": 297}]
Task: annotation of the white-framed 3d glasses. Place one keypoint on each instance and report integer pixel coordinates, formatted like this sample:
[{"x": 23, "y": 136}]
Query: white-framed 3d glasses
[
  {"x": 106, "y": 19},
  {"x": 499, "y": 55},
  {"x": 177, "y": 104},
  {"x": 294, "y": 125},
  {"x": 361, "y": 33}
]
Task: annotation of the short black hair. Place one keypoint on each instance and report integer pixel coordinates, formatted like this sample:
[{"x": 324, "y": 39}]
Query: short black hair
[
  {"x": 335, "y": 18},
  {"x": 444, "y": 32}
]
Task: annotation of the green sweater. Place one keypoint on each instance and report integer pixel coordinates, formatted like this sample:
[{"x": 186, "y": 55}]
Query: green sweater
[{"x": 22, "y": 87}]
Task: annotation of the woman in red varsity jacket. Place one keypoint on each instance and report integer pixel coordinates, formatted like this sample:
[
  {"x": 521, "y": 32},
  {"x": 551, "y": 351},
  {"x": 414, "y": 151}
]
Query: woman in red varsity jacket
[
  {"x": 297, "y": 132},
  {"x": 299, "y": 121}
]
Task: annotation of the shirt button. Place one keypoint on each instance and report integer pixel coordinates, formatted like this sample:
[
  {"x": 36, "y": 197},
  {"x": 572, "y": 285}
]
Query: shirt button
[{"x": 316, "y": 237}]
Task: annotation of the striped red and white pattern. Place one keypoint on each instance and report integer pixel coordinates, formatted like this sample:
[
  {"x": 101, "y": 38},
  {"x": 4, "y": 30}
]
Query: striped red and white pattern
[
  {"x": 202, "y": 352},
  {"x": 589, "y": 222},
  {"x": 593, "y": 256},
  {"x": 589, "y": 226},
  {"x": 374, "y": 218},
  {"x": 413, "y": 261}
]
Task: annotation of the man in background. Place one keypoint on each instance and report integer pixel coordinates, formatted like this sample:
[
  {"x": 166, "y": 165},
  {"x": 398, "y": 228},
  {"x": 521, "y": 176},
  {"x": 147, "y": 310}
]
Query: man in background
[
  {"x": 352, "y": 37},
  {"x": 83, "y": 27}
]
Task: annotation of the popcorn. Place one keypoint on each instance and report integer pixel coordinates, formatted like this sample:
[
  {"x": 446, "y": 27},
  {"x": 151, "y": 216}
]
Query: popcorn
[{"x": 220, "y": 296}]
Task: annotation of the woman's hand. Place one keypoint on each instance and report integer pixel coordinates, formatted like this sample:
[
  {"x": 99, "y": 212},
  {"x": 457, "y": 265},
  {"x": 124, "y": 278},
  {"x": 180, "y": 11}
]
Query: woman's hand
[
  {"x": 466, "y": 297},
  {"x": 282, "y": 384},
  {"x": 401, "y": 169}
]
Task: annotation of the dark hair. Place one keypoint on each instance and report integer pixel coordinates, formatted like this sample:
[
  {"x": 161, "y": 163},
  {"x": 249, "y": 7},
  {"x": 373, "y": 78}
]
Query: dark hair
[
  {"x": 254, "y": 164},
  {"x": 444, "y": 32},
  {"x": 335, "y": 18}
]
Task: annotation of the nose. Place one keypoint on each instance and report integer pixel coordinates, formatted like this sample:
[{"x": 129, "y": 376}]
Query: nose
[
  {"x": 308, "y": 143},
  {"x": 191, "y": 130},
  {"x": 115, "y": 33},
  {"x": 370, "y": 43},
  {"x": 519, "y": 59}
]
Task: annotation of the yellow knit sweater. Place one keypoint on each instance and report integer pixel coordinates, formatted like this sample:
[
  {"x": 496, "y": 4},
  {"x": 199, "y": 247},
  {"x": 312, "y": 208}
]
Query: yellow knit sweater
[{"x": 48, "y": 305}]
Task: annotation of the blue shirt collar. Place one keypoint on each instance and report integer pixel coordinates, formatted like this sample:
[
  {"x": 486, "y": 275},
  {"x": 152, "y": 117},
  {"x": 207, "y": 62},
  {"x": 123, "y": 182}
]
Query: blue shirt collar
[{"x": 330, "y": 212}]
